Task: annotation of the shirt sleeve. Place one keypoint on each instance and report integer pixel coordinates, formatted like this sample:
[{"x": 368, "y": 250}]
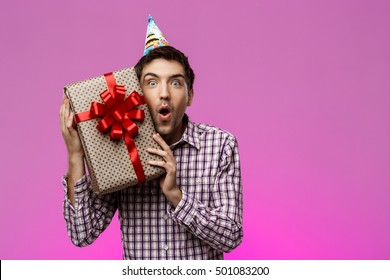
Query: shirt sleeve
[
  {"x": 91, "y": 213},
  {"x": 220, "y": 223}
]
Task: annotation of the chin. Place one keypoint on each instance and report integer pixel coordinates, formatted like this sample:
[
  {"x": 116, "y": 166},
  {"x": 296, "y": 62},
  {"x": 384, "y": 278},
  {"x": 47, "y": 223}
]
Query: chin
[{"x": 163, "y": 130}]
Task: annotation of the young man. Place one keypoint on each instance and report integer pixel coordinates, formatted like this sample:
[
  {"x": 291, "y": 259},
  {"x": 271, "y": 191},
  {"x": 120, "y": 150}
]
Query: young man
[{"x": 194, "y": 211}]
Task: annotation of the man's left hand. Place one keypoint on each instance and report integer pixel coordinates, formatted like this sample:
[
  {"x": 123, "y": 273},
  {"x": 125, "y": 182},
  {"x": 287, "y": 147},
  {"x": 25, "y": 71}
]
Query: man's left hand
[{"x": 168, "y": 181}]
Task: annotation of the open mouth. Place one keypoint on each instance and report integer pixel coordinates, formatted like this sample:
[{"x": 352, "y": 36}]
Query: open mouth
[{"x": 164, "y": 112}]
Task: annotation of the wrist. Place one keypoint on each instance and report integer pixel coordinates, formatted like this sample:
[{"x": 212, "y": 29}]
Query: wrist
[
  {"x": 174, "y": 196},
  {"x": 74, "y": 158},
  {"x": 76, "y": 168}
]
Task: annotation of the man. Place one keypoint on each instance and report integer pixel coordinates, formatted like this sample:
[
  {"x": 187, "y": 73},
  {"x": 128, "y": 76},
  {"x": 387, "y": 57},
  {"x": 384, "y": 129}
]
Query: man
[{"x": 194, "y": 211}]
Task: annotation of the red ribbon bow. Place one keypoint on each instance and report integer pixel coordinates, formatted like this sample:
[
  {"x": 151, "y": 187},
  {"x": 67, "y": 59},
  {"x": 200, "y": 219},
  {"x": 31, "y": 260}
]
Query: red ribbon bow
[{"x": 118, "y": 113}]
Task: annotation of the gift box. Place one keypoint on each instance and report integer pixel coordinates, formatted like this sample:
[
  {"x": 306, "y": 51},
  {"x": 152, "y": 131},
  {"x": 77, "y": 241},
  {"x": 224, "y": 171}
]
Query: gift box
[{"x": 115, "y": 129}]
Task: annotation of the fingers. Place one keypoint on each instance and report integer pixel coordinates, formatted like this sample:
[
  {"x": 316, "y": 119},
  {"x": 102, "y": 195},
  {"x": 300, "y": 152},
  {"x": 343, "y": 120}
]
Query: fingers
[
  {"x": 66, "y": 110},
  {"x": 62, "y": 123},
  {"x": 66, "y": 116},
  {"x": 169, "y": 166},
  {"x": 161, "y": 164},
  {"x": 166, "y": 152},
  {"x": 158, "y": 152},
  {"x": 69, "y": 121},
  {"x": 157, "y": 137},
  {"x": 169, "y": 161},
  {"x": 168, "y": 158}
]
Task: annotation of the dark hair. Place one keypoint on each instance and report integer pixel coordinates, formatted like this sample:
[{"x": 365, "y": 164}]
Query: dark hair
[{"x": 168, "y": 53}]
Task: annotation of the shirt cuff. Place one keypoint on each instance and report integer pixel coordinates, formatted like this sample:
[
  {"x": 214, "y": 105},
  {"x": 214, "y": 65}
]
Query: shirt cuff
[
  {"x": 185, "y": 211},
  {"x": 82, "y": 187}
]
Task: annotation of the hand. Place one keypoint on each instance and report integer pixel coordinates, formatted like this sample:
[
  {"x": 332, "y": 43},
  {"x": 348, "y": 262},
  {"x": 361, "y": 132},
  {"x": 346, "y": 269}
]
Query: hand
[
  {"x": 72, "y": 141},
  {"x": 168, "y": 181},
  {"x": 69, "y": 133}
]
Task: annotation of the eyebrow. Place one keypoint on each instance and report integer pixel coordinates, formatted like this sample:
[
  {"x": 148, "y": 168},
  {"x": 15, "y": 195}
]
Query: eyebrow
[{"x": 170, "y": 77}]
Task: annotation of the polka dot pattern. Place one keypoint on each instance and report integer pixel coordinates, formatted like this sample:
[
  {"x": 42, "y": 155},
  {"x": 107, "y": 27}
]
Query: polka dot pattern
[{"x": 108, "y": 161}]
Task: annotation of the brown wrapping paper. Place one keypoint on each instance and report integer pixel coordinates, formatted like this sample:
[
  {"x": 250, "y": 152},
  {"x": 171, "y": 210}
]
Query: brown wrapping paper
[{"x": 108, "y": 161}]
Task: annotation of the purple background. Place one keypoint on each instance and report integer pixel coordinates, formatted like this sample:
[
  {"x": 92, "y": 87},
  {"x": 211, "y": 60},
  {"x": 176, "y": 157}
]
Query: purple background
[{"x": 304, "y": 85}]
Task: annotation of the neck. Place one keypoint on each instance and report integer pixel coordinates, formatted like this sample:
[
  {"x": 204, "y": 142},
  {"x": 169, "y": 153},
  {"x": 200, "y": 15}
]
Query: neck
[{"x": 173, "y": 138}]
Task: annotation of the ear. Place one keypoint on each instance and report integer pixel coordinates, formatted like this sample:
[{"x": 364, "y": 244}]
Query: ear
[{"x": 190, "y": 97}]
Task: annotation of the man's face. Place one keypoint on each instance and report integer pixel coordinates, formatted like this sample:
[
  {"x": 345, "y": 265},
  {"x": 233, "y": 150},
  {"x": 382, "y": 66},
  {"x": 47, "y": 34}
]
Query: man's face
[{"x": 167, "y": 95}]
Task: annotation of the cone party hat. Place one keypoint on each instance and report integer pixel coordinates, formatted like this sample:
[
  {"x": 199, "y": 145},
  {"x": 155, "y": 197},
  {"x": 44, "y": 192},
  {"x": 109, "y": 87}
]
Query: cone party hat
[{"x": 154, "y": 37}]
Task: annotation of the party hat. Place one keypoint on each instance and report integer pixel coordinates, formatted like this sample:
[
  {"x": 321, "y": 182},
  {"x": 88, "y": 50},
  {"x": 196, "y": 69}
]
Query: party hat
[{"x": 154, "y": 37}]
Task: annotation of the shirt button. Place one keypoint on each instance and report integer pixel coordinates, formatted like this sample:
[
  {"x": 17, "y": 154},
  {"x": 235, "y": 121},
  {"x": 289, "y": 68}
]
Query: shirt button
[
  {"x": 166, "y": 217},
  {"x": 199, "y": 180},
  {"x": 153, "y": 192},
  {"x": 166, "y": 247}
]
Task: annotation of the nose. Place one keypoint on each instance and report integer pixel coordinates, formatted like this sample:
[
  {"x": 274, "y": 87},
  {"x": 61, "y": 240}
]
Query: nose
[{"x": 164, "y": 92}]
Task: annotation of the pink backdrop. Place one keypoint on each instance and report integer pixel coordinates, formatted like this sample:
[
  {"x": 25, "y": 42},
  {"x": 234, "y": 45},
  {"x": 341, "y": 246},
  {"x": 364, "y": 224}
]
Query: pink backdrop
[{"x": 304, "y": 85}]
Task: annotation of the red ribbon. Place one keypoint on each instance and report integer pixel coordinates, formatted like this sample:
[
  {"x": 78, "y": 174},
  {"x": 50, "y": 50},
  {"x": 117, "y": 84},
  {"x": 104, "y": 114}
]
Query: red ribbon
[{"x": 118, "y": 113}]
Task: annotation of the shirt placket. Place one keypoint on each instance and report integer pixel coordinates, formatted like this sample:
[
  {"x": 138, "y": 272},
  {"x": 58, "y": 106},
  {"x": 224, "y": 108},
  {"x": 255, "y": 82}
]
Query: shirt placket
[{"x": 165, "y": 249}]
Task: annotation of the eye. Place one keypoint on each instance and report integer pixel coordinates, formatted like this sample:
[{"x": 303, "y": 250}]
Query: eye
[
  {"x": 176, "y": 83},
  {"x": 152, "y": 83}
]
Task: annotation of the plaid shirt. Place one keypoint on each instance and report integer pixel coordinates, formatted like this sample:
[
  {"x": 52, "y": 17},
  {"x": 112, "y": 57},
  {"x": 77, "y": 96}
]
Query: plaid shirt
[{"x": 206, "y": 222}]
